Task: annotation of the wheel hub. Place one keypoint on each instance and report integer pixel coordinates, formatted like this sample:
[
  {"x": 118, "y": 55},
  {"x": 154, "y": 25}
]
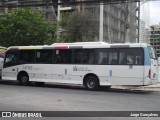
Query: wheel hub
[{"x": 91, "y": 84}]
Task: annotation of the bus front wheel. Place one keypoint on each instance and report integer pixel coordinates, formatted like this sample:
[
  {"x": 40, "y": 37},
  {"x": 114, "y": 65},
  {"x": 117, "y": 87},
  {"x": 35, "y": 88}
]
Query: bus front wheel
[
  {"x": 92, "y": 83},
  {"x": 23, "y": 79}
]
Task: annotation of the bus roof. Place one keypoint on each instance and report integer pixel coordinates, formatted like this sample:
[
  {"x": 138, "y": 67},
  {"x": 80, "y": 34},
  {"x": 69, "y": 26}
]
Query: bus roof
[
  {"x": 81, "y": 45},
  {"x": 1, "y": 47}
]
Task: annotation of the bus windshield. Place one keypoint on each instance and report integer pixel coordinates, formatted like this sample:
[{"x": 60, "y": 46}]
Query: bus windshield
[{"x": 151, "y": 52}]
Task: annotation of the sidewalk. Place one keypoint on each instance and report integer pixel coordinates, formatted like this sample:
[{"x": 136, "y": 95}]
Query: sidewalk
[{"x": 143, "y": 88}]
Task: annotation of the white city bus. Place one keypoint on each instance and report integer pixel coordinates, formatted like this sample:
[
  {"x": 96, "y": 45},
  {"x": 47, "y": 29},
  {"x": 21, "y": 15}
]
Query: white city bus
[{"x": 92, "y": 64}]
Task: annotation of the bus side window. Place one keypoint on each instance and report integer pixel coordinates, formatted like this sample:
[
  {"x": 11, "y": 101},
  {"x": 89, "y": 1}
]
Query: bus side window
[
  {"x": 114, "y": 61},
  {"x": 104, "y": 61},
  {"x": 102, "y": 56},
  {"x": 63, "y": 56},
  {"x": 130, "y": 59},
  {"x": 91, "y": 57},
  {"x": 122, "y": 57},
  {"x": 27, "y": 56},
  {"x": 138, "y": 61},
  {"x": 44, "y": 56},
  {"x": 88, "y": 56},
  {"x": 58, "y": 59},
  {"x": 113, "y": 57},
  {"x": 132, "y": 56},
  {"x": 78, "y": 56}
]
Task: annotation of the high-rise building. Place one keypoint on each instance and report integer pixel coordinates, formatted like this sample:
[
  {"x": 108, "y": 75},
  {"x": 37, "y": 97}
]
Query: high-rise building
[
  {"x": 116, "y": 23},
  {"x": 142, "y": 33},
  {"x": 154, "y": 35},
  {"x": 49, "y": 10}
]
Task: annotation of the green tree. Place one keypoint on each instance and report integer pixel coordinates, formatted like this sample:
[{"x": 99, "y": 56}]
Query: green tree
[
  {"x": 77, "y": 27},
  {"x": 81, "y": 27},
  {"x": 25, "y": 26},
  {"x": 61, "y": 24},
  {"x": 64, "y": 18}
]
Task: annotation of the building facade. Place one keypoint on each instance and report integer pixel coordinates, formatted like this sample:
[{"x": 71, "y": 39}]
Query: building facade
[
  {"x": 49, "y": 10},
  {"x": 116, "y": 23},
  {"x": 143, "y": 33},
  {"x": 154, "y": 36}
]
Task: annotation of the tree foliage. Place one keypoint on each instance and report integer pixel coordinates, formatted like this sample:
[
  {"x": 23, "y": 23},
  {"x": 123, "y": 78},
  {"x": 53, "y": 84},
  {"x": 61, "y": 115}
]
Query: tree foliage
[
  {"x": 78, "y": 27},
  {"x": 64, "y": 18},
  {"x": 81, "y": 27},
  {"x": 25, "y": 26}
]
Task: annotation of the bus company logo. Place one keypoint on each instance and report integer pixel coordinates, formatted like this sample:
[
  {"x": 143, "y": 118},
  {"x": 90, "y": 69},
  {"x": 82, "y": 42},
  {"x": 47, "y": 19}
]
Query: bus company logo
[
  {"x": 27, "y": 67},
  {"x": 75, "y": 68},
  {"x": 130, "y": 66}
]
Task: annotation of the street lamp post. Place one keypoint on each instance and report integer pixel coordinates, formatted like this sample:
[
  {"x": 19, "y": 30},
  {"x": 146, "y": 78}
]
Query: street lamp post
[
  {"x": 128, "y": 23},
  {"x": 152, "y": 27},
  {"x": 101, "y": 22}
]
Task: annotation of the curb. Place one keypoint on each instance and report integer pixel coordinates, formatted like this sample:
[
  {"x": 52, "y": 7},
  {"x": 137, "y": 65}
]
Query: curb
[{"x": 139, "y": 88}]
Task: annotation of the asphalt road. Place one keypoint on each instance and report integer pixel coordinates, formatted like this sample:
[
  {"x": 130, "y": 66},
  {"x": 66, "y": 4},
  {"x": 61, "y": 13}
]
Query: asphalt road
[{"x": 14, "y": 97}]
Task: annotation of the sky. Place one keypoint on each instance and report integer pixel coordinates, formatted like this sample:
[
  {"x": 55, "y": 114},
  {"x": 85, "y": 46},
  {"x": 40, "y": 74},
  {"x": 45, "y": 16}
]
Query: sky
[
  {"x": 154, "y": 12},
  {"x": 150, "y": 12}
]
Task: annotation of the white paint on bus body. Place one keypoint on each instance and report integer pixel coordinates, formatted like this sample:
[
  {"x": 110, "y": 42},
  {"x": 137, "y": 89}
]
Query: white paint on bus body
[{"x": 146, "y": 74}]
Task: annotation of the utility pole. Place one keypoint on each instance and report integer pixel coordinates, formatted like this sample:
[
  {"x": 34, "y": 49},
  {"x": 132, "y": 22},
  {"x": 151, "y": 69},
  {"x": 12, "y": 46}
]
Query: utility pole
[
  {"x": 152, "y": 27},
  {"x": 58, "y": 11},
  {"x": 101, "y": 22},
  {"x": 127, "y": 20},
  {"x": 138, "y": 22},
  {"x": 47, "y": 9},
  {"x": 126, "y": 24}
]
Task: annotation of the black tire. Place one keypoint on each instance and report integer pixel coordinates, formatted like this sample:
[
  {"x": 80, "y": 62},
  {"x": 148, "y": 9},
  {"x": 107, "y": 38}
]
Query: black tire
[
  {"x": 40, "y": 83},
  {"x": 23, "y": 79},
  {"x": 92, "y": 83}
]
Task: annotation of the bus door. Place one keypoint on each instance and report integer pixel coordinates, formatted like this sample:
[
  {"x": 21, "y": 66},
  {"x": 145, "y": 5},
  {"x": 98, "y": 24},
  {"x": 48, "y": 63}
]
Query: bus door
[
  {"x": 62, "y": 58},
  {"x": 9, "y": 71},
  {"x": 153, "y": 73}
]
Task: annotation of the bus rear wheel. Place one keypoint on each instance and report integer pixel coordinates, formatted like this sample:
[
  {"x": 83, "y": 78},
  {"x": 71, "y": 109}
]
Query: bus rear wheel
[
  {"x": 92, "y": 83},
  {"x": 23, "y": 79}
]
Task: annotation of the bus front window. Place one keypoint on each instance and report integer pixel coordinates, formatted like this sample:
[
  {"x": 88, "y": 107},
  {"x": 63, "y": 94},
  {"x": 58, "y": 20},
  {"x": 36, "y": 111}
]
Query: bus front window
[{"x": 10, "y": 59}]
